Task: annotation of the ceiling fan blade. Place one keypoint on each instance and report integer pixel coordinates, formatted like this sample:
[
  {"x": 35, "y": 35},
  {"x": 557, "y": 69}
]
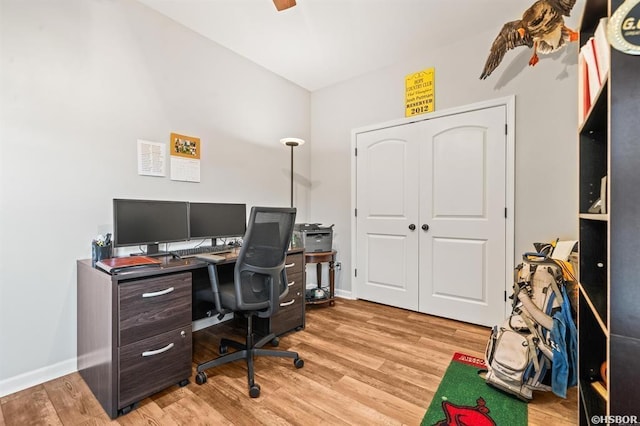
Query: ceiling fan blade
[{"x": 284, "y": 4}]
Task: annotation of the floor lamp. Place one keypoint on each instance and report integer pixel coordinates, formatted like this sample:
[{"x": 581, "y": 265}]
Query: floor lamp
[{"x": 292, "y": 142}]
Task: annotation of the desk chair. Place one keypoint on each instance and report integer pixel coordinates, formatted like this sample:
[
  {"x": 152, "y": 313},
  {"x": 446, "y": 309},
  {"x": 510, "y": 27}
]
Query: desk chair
[{"x": 260, "y": 282}]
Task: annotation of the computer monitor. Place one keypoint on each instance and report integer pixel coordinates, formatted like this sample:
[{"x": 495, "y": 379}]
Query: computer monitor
[
  {"x": 217, "y": 220},
  {"x": 149, "y": 222}
]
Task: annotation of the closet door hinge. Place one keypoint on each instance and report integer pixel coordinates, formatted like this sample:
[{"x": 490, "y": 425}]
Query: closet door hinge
[
  {"x": 356, "y": 152},
  {"x": 355, "y": 212},
  {"x": 505, "y": 212},
  {"x": 355, "y": 272},
  {"x": 506, "y": 127},
  {"x": 505, "y": 295}
]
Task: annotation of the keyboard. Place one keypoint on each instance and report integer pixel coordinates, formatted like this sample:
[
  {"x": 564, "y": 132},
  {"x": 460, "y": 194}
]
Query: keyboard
[{"x": 193, "y": 252}]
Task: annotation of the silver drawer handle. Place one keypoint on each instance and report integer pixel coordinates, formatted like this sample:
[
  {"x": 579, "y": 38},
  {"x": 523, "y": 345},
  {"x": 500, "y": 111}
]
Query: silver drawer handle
[
  {"x": 157, "y": 351},
  {"x": 158, "y": 293},
  {"x": 289, "y": 265},
  {"x": 291, "y": 283},
  {"x": 289, "y": 303}
]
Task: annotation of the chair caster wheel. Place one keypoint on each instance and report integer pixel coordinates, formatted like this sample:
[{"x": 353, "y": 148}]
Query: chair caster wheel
[
  {"x": 183, "y": 383},
  {"x": 298, "y": 362},
  {"x": 201, "y": 378},
  {"x": 254, "y": 391},
  {"x": 127, "y": 409},
  {"x": 275, "y": 342},
  {"x": 223, "y": 349}
]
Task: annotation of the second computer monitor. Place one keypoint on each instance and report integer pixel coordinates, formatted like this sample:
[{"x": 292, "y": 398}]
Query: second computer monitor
[{"x": 217, "y": 220}]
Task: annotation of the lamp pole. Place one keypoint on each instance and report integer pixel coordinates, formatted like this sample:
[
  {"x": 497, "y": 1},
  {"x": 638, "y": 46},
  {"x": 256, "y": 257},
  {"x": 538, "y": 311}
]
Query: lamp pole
[
  {"x": 292, "y": 142},
  {"x": 291, "y": 145}
]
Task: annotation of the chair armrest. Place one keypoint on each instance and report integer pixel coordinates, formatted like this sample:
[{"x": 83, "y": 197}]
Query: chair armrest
[{"x": 273, "y": 276}]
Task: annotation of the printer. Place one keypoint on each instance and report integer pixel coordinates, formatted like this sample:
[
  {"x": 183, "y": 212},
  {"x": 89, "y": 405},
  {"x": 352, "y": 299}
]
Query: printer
[{"x": 313, "y": 237}]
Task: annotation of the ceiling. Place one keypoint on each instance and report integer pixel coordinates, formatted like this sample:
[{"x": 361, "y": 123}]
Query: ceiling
[{"x": 322, "y": 42}]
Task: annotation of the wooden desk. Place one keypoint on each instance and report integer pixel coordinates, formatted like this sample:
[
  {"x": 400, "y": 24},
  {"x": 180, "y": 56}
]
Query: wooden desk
[
  {"x": 319, "y": 258},
  {"x": 134, "y": 327}
]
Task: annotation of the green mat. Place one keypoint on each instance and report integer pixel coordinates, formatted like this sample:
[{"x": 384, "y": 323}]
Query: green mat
[{"x": 464, "y": 399}]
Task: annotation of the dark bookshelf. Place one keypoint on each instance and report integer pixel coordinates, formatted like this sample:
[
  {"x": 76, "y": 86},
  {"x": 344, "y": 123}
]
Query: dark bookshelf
[{"x": 609, "y": 243}]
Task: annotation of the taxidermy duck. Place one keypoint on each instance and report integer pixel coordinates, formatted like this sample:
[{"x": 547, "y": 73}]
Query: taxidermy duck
[{"x": 541, "y": 27}]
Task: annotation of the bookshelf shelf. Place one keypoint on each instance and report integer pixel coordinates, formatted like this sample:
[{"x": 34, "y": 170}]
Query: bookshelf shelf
[
  {"x": 600, "y": 389},
  {"x": 594, "y": 216},
  {"x": 599, "y": 297}
]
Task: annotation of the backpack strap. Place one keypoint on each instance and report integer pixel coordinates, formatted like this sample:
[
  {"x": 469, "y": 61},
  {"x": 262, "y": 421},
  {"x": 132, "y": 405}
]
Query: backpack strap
[
  {"x": 536, "y": 313},
  {"x": 559, "y": 279},
  {"x": 538, "y": 340}
]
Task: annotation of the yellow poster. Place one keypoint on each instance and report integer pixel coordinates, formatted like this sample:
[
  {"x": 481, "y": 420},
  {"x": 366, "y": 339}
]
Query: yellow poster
[
  {"x": 185, "y": 146},
  {"x": 185, "y": 158},
  {"x": 420, "y": 92}
]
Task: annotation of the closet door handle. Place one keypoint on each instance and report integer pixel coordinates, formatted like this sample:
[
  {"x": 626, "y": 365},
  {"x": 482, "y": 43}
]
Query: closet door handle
[
  {"x": 425, "y": 227},
  {"x": 412, "y": 227}
]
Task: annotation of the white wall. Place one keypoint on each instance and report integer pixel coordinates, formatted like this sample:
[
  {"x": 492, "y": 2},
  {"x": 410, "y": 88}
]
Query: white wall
[
  {"x": 546, "y": 141},
  {"x": 81, "y": 81}
]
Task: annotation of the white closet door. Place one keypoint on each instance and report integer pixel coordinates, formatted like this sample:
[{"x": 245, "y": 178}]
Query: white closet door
[
  {"x": 387, "y": 200},
  {"x": 462, "y": 202}
]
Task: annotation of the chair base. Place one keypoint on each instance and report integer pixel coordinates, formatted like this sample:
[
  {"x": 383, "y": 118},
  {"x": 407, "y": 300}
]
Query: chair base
[{"x": 247, "y": 352}]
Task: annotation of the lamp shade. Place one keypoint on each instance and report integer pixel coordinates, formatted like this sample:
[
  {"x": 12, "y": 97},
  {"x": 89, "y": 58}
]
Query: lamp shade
[{"x": 292, "y": 141}]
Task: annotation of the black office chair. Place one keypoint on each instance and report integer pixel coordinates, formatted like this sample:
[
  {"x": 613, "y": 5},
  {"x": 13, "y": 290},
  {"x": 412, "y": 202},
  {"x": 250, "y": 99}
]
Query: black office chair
[{"x": 260, "y": 282}]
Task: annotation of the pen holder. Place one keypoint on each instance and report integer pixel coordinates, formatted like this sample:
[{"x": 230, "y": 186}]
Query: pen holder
[{"x": 100, "y": 252}]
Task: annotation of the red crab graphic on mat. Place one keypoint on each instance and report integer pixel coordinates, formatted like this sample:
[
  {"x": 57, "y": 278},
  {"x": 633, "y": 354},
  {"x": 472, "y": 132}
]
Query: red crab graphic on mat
[{"x": 461, "y": 415}]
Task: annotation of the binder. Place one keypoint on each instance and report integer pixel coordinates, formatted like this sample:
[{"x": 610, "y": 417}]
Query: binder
[{"x": 117, "y": 264}]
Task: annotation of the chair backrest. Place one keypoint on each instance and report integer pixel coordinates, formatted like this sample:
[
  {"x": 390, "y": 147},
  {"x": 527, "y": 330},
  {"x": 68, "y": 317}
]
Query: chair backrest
[{"x": 260, "y": 278}]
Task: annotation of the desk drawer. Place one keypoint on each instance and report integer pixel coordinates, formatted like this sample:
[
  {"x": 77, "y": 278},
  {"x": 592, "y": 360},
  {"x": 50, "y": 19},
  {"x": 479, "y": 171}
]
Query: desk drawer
[
  {"x": 290, "y": 315},
  {"x": 150, "y": 365},
  {"x": 152, "y": 306},
  {"x": 294, "y": 263},
  {"x": 295, "y": 273},
  {"x": 295, "y": 282}
]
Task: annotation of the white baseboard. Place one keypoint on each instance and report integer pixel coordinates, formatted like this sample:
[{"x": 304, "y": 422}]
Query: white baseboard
[
  {"x": 344, "y": 294},
  {"x": 35, "y": 377}
]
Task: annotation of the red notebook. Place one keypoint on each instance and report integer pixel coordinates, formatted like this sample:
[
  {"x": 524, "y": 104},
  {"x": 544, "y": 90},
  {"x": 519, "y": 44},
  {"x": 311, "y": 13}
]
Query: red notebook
[{"x": 114, "y": 264}]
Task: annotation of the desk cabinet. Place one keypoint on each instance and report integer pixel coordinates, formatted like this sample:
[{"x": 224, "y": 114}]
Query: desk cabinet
[
  {"x": 134, "y": 334},
  {"x": 290, "y": 315}
]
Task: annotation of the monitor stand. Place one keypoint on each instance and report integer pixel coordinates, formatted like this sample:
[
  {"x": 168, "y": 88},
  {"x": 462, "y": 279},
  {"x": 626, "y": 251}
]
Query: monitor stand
[{"x": 154, "y": 251}]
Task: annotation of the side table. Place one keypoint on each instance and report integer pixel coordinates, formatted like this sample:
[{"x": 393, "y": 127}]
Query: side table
[{"x": 319, "y": 258}]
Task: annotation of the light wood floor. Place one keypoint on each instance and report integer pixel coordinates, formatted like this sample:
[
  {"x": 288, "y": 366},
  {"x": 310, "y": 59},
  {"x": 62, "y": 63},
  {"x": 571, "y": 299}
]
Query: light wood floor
[{"x": 365, "y": 364}]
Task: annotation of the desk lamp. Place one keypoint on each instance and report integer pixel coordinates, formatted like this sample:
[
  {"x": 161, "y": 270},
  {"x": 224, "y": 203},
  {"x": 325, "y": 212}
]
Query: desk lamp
[{"x": 292, "y": 142}]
